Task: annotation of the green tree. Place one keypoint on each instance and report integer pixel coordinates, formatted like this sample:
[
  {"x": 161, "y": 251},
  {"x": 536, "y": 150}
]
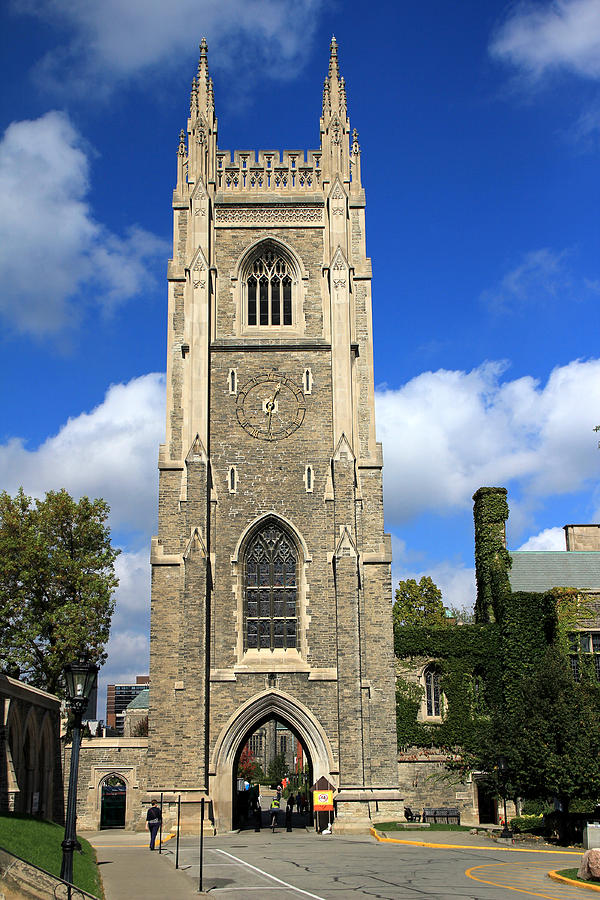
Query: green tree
[
  {"x": 277, "y": 769},
  {"x": 57, "y": 581},
  {"x": 249, "y": 767},
  {"x": 419, "y": 604},
  {"x": 549, "y": 732}
]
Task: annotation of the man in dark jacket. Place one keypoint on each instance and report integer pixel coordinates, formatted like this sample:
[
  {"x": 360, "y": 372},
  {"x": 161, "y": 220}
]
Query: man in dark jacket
[{"x": 153, "y": 820}]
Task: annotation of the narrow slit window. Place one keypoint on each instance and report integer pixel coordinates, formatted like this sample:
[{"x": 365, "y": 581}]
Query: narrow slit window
[
  {"x": 308, "y": 479},
  {"x": 307, "y": 381},
  {"x": 232, "y": 480},
  {"x": 232, "y": 381}
]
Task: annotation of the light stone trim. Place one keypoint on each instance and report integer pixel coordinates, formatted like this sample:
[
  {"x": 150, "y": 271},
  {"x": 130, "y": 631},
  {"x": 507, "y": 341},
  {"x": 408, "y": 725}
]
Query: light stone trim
[{"x": 251, "y": 216}]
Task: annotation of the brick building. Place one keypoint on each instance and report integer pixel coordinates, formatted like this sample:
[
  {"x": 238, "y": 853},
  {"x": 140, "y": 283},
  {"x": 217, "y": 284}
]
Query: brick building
[{"x": 118, "y": 698}]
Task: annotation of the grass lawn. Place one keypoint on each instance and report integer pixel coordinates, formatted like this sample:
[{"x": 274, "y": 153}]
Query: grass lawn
[
  {"x": 572, "y": 874},
  {"x": 409, "y": 826},
  {"x": 39, "y": 843}
]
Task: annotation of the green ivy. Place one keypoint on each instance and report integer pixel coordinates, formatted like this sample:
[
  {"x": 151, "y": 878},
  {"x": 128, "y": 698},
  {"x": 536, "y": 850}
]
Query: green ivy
[
  {"x": 492, "y": 560},
  {"x": 463, "y": 654}
]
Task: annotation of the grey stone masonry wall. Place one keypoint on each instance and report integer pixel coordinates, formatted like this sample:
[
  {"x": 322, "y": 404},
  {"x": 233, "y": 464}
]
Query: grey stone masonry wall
[
  {"x": 224, "y": 474},
  {"x": 100, "y": 758}
]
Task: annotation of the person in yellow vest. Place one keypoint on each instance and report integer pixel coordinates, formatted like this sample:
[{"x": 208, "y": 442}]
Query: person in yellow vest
[{"x": 275, "y": 806}]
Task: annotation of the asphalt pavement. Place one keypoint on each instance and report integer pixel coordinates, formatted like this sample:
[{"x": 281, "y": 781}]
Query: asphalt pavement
[{"x": 243, "y": 865}]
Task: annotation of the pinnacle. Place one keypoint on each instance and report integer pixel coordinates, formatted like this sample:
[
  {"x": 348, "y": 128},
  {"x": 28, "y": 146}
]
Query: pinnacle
[{"x": 333, "y": 59}]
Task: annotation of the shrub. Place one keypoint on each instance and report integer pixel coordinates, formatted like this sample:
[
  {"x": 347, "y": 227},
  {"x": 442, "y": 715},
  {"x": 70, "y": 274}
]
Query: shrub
[{"x": 527, "y": 824}]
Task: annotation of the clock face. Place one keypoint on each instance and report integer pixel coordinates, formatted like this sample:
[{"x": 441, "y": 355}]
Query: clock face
[{"x": 270, "y": 406}]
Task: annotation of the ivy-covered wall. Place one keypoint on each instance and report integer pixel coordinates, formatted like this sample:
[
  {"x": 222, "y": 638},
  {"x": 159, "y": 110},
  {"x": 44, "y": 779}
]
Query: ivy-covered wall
[
  {"x": 492, "y": 561},
  {"x": 470, "y": 677}
]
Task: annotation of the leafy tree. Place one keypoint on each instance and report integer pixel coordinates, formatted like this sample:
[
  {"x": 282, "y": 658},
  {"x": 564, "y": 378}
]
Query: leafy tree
[
  {"x": 140, "y": 729},
  {"x": 57, "y": 580},
  {"x": 549, "y": 733},
  {"x": 277, "y": 769},
  {"x": 419, "y": 604},
  {"x": 249, "y": 767}
]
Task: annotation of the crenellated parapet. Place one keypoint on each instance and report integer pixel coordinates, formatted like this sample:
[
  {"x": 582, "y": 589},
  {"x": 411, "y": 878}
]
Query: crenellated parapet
[
  {"x": 249, "y": 171},
  {"x": 269, "y": 170}
]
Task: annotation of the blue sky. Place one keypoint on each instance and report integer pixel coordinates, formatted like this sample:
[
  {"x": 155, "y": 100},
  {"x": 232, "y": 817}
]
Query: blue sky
[{"x": 479, "y": 125}]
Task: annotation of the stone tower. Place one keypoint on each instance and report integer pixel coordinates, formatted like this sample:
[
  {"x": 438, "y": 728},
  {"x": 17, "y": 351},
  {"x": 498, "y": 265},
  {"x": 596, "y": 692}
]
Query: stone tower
[{"x": 271, "y": 585}]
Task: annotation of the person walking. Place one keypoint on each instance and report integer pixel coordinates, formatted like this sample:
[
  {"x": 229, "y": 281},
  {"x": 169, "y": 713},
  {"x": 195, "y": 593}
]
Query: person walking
[
  {"x": 290, "y": 802},
  {"x": 275, "y": 806},
  {"x": 153, "y": 821}
]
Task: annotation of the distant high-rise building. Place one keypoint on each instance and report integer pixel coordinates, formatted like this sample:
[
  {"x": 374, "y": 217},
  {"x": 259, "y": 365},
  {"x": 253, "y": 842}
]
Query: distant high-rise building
[{"x": 118, "y": 697}]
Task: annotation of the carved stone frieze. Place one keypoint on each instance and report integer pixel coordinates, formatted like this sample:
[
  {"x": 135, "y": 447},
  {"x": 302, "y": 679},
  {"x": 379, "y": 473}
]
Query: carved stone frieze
[{"x": 267, "y": 215}]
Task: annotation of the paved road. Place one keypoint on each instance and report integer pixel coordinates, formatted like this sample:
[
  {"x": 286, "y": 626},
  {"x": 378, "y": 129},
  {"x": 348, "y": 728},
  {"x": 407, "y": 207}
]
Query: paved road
[{"x": 246, "y": 865}]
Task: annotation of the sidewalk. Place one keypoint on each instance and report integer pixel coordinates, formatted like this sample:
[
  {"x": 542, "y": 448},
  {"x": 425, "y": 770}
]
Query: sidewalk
[{"x": 131, "y": 872}]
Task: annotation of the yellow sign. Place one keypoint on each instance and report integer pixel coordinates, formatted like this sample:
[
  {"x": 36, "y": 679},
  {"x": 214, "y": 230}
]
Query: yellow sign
[{"x": 323, "y": 801}]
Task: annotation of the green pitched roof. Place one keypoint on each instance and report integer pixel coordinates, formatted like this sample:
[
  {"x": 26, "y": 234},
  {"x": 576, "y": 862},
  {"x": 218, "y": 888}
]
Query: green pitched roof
[
  {"x": 540, "y": 570},
  {"x": 141, "y": 701}
]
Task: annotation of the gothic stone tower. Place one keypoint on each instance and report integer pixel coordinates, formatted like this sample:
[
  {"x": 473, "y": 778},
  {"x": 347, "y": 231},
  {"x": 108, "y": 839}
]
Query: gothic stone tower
[{"x": 271, "y": 592}]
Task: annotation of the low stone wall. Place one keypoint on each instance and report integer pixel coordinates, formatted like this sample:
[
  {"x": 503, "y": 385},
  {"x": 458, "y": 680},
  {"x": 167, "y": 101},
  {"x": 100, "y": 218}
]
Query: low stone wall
[
  {"x": 424, "y": 781},
  {"x": 99, "y": 759}
]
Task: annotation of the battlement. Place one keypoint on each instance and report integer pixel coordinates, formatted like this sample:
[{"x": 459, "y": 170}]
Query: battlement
[{"x": 290, "y": 170}]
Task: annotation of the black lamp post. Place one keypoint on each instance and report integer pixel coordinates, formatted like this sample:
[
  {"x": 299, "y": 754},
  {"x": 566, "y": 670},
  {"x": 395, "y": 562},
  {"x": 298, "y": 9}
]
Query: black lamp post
[
  {"x": 503, "y": 770},
  {"x": 80, "y": 678}
]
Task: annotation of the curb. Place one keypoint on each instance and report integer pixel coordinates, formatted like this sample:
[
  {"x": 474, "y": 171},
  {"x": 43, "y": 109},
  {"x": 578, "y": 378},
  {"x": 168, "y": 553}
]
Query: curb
[
  {"x": 387, "y": 840},
  {"x": 582, "y": 884}
]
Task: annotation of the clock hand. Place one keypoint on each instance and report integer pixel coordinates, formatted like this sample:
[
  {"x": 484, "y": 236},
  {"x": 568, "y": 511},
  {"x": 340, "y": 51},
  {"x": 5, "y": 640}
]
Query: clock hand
[{"x": 270, "y": 407}]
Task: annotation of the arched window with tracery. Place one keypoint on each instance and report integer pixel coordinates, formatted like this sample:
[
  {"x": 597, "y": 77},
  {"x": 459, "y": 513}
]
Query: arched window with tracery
[
  {"x": 432, "y": 692},
  {"x": 269, "y": 289},
  {"x": 271, "y": 592}
]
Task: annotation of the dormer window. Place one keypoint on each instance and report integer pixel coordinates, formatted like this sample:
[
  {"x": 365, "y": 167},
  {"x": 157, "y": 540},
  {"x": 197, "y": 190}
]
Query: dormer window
[{"x": 269, "y": 290}]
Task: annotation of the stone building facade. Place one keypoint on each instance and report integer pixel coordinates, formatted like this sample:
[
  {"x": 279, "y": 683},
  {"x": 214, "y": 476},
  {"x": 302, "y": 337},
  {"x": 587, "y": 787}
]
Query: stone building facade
[
  {"x": 271, "y": 585},
  {"x": 30, "y": 751}
]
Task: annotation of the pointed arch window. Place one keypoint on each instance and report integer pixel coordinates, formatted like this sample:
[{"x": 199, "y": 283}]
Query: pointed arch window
[
  {"x": 269, "y": 290},
  {"x": 432, "y": 692},
  {"x": 271, "y": 592}
]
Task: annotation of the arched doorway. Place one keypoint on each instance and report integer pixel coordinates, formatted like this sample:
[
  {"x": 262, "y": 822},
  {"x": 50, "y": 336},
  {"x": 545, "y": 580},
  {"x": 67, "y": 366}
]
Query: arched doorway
[
  {"x": 113, "y": 801},
  {"x": 270, "y": 704},
  {"x": 272, "y": 755}
]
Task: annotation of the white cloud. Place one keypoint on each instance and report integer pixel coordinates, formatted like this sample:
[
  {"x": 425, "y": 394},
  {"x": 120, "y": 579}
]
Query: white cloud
[
  {"x": 446, "y": 433},
  {"x": 540, "y": 277},
  {"x": 51, "y": 247},
  {"x": 543, "y": 37},
  {"x": 548, "y": 539},
  {"x": 456, "y": 582},
  {"x": 110, "y": 452},
  {"x": 128, "y": 648},
  {"x": 254, "y": 34}
]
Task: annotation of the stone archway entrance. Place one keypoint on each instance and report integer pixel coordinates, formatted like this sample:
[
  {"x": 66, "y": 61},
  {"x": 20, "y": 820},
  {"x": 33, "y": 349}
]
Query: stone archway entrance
[
  {"x": 113, "y": 802},
  {"x": 279, "y": 741},
  {"x": 264, "y": 706}
]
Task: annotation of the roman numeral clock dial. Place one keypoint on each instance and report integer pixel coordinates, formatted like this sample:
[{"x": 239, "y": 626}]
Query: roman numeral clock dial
[{"x": 270, "y": 406}]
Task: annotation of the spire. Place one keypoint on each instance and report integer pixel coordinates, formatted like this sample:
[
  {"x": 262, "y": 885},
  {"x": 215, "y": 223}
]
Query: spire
[
  {"x": 202, "y": 125},
  {"x": 203, "y": 83},
  {"x": 335, "y": 128},
  {"x": 333, "y": 59}
]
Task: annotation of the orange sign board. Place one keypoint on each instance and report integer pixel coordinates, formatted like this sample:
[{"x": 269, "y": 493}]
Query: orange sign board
[{"x": 323, "y": 801}]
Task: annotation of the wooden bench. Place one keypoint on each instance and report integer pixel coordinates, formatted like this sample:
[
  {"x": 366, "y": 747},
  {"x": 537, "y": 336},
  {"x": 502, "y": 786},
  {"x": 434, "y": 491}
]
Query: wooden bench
[
  {"x": 410, "y": 816},
  {"x": 446, "y": 815}
]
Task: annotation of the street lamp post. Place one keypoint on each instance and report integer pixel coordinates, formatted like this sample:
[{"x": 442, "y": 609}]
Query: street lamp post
[
  {"x": 503, "y": 770},
  {"x": 79, "y": 678}
]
